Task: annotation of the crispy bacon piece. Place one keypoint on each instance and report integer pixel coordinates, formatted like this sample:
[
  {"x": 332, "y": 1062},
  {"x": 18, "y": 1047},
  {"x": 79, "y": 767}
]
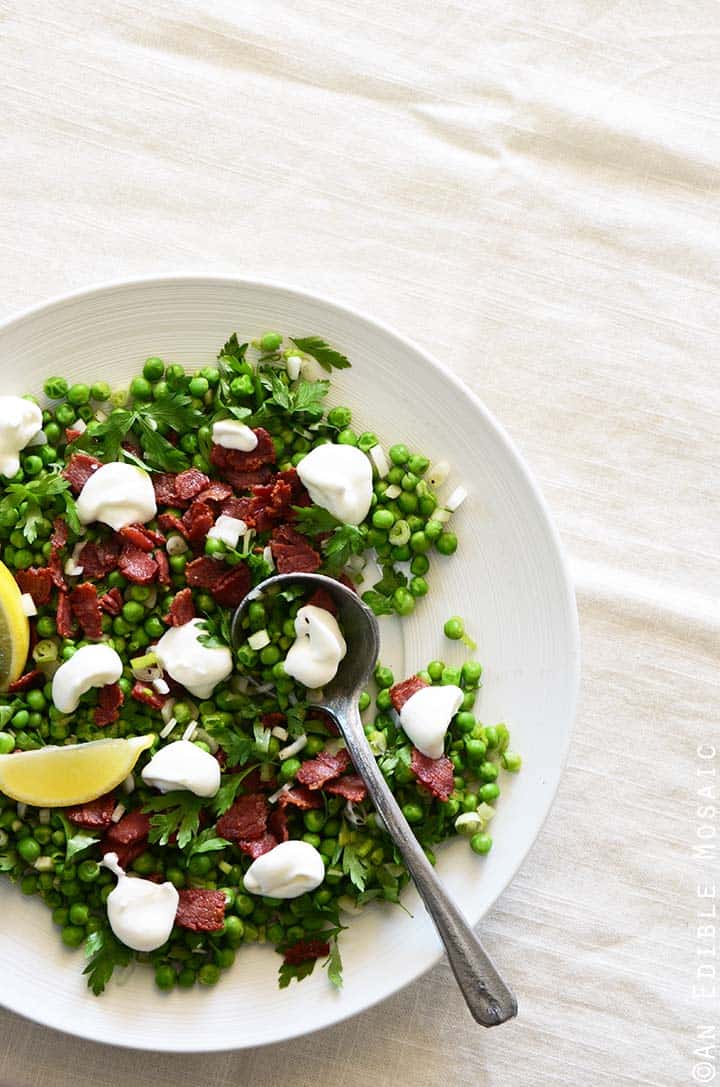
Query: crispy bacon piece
[
  {"x": 96, "y": 814},
  {"x": 200, "y": 910},
  {"x": 63, "y": 617},
  {"x": 304, "y": 950},
  {"x": 233, "y": 587},
  {"x": 59, "y": 537},
  {"x": 85, "y": 608},
  {"x": 246, "y": 819},
  {"x": 435, "y": 774},
  {"x": 142, "y": 693},
  {"x": 164, "y": 487},
  {"x": 277, "y": 824},
  {"x": 300, "y": 797},
  {"x": 241, "y": 508},
  {"x": 232, "y": 464},
  {"x": 137, "y": 565},
  {"x": 349, "y": 786},
  {"x": 127, "y": 838},
  {"x": 293, "y": 552},
  {"x": 215, "y": 492},
  {"x": 190, "y": 483},
  {"x": 400, "y": 693},
  {"x": 274, "y": 502},
  {"x": 163, "y": 565},
  {"x": 98, "y": 559},
  {"x": 55, "y": 566},
  {"x": 182, "y": 609},
  {"x": 324, "y": 767},
  {"x": 205, "y": 573},
  {"x": 136, "y": 535},
  {"x": 255, "y": 847},
  {"x": 321, "y": 599},
  {"x": 35, "y": 678},
  {"x": 110, "y": 699},
  {"x": 198, "y": 520},
  {"x": 37, "y": 581},
  {"x": 111, "y": 601},
  {"x": 170, "y": 522},
  {"x": 79, "y": 469}
]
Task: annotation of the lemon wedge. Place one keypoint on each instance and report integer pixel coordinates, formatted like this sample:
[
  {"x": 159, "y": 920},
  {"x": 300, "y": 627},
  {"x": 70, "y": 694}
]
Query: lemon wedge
[
  {"x": 14, "y": 630},
  {"x": 53, "y": 777}
]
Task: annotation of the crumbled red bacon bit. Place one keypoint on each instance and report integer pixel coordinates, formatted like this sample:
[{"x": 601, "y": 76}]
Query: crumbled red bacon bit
[
  {"x": 190, "y": 483},
  {"x": 349, "y": 786},
  {"x": 95, "y": 815},
  {"x": 85, "y": 608},
  {"x": 293, "y": 552},
  {"x": 163, "y": 565},
  {"x": 255, "y": 847},
  {"x": 325, "y": 767},
  {"x": 111, "y": 601},
  {"x": 304, "y": 950},
  {"x": 435, "y": 774},
  {"x": 35, "y": 678},
  {"x": 79, "y": 469},
  {"x": 142, "y": 693},
  {"x": 37, "y": 581},
  {"x": 98, "y": 559},
  {"x": 300, "y": 797},
  {"x": 110, "y": 699},
  {"x": 233, "y": 587},
  {"x": 200, "y": 910},
  {"x": 246, "y": 819},
  {"x": 401, "y": 692},
  {"x": 182, "y": 609},
  {"x": 64, "y": 617},
  {"x": 198, "y": 520},
  {"x": 137, "y": 565}
]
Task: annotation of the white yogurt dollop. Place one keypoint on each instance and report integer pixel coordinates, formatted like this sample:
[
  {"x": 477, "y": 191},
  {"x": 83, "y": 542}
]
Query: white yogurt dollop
[
  {"x": 90, "y": 666},
  {"x": 198, "y": 667},
  {"x": 426, "y": 716},
  {"x": 183, "y": 765},
  {"x": 118, "y": 495},
  {"x": 232, "y": 434},
  {"x": 287, "y": 871},
  {"x": 141, "y": 913},
  {"x": 20, "y": 420},
  {"x": 338, "y": 478},
  {"x": 319, "y": 646}
]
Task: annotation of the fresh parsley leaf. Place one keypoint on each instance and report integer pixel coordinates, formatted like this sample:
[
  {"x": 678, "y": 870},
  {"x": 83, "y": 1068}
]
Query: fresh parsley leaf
[
  {"x": 262, "y": 737},
  {"x": 218, "y": 630},
  {"x": 322, "y": 352},
  {"x": 159, "y": 452},
  {"x": 178, "y": 812},
  {"x": 345, "y": 541},
  {"x": 314, "y": 520},
  {"x": 226, "y": 794},
  {"x": 105, "y": 953},
  {"x": 237, "y": 748},
  {"x": 391, "y": 580},
  {"x": 334, "y": 965},
  {"x": 295, "y": 971},
  {"x": 233, "y": 349},
  {"x": 40, "y": 496},
  {"x": 308, "y": 394},
  {"x": 380, "y": 605},
  {"x": 355, "y": 867},
  {"x": 75, "y": 840},
  {"x": 207, "y": 842},
  {"x": 175, "y": 410}
]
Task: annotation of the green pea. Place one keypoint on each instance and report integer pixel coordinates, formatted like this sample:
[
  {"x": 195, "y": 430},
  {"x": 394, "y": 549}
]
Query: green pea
[
  {"x": 200, "y": 864},
  {"x": 409, "y": 481},
  {"x": 314, "y": 745},
  {"x": 55, "y": 388},
  {"x": 465, "y": 723},
  {"x": 270, "y": 341},
  {"x": 383, "y": 519},
  {"x": 60, "y": 916},
  {"x": 140, "y": 388},
  {"x": 35, "y": 700},
  {"x": 399, "y": 454},
  {"x": 233, "y": 930},
  {"x": 242, "y": 386},
  {"x": 33, "y": 465},
  {"x": 146, "y": 864},
  {"x": 419, "y": 543},
  {"x": 347, "y": 437},
  {"x": 435, "y": 669},
  {"x": 269, "y": 655},
  {"x": 78, "y": 395},
  {"x": 407, "y": 502},
  {"x": 418, "y": 586},
  {"x": 182, "y": 713},
  {"x": 413, "y": 813},
  {"x": 450, "y": 676},
  {"x": 88, "y": 871},
  {"x": 403, "y": 601},
  {"x": 491, "y": 736},
  {"x": 384, "y": 677},
  {"x": 470, "y": 802},
  {"x": 288, "y": 769},
  {"x": 489, "y": 792},
  {"x": 367, "y": 440},
  {"x": 79, "y": 914},
  {"x": 470, "y": 673},
  {"x": 418, "y": 464},
  {"x": 454, "y": 628},
  {"x": 209, "y": 974},
  {"x": 29, "y": 850},
  {"x": 154, "y": 627},
  {"x": 186, "y": 978},
  {"x": 153, "y": 369},
  {"x": 383, "y": 700},
  {"x": 165, "y": 976},
  {"x": 475, "y": 749},
  {"x": 7, "y": 743},
  {"x": 451, "y": 807},
  {"x": 481, "y": 843},
  {"x": 314, "y": 820},
  {"x": 244, "y": 905},
  {"x": 339, "y": 417},
  {"x": 447, "y": 543},
  {"x": 364, "y": 701},
  {"x": 433, "y": 529},
  {"x": 488, "y": 771},
  {"x": 198, "y": 386},
  {"x": 100, "y": 391},
  {"x": 72, "y": 935}
]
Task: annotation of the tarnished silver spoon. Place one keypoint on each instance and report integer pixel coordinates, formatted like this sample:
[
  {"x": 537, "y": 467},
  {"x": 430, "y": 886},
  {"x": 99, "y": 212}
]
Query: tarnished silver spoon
[{"x": 486, "y": 994}]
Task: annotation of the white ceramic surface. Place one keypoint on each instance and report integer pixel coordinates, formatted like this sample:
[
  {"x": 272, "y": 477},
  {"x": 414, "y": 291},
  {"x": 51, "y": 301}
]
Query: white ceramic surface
[{"x": 508, "y": 580}]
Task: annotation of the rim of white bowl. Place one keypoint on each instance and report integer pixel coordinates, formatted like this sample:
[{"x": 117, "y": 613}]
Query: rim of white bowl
[{"x": 569, "y": 601}]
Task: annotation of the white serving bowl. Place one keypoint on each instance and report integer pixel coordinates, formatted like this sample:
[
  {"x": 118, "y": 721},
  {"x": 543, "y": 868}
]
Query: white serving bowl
[{"x": 508, "y": 580}]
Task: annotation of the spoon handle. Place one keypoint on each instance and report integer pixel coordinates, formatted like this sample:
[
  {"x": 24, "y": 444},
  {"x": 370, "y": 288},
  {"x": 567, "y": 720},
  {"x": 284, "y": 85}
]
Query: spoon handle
[{"x": 486, "y": 994}]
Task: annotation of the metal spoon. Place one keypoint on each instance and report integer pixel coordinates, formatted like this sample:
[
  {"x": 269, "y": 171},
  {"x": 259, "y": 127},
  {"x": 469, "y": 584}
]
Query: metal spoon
[{"x": 486, "y": 994}]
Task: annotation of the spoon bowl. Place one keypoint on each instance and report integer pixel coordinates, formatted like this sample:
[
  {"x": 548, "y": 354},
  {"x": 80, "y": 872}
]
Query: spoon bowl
[{"x": 486, "y": 994}]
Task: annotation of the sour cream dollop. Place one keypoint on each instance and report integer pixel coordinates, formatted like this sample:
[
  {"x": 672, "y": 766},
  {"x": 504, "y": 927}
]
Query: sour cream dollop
[
  {"x": 287, "y": 871},
  {"x": 90, "y": 666},
  {"x": 198, "y": 667},
  {"x": 338, "y": 478},
  {"x": 141, "y": 913},
  {"x": 20, "y": 420},
  {"x": 118, "y": 495},
  {"x": 232, "y": 434},
  {"x": 183, "y": 765},
  {"x": 426, "y": 716},
  {"x": 319, "y": 646}
]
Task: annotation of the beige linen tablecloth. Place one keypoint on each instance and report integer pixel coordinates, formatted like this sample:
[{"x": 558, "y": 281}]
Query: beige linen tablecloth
[{"x": 528, "y": 189}]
